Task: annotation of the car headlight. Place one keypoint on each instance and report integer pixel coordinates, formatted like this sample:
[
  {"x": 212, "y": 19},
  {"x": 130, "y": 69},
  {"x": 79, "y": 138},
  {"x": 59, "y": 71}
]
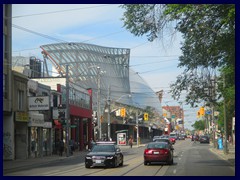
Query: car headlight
[
  {"x": 88, "y": 157},
  {"x": 110, "y": 157}
]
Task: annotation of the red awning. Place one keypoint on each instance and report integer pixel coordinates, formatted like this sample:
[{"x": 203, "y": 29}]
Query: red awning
[{"x": 58, "y": 125}]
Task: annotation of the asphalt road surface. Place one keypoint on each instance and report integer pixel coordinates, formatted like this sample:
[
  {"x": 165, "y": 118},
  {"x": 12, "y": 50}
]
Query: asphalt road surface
[{"x": 190, "y": 159}]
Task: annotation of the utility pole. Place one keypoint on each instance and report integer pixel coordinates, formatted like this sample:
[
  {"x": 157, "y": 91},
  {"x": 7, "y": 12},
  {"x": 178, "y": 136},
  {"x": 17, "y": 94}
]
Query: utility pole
[
  {"x": 225, "y": 121},
  {"x": 98, "y": 104},
  {"x": 109, "y": 122},
  {"x": 67, "y": 111},
  {"x": 137, "y": 129}
]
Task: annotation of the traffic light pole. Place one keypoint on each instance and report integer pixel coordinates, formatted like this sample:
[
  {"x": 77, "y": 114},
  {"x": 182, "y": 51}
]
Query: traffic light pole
[{"x": 137, "y": 129}]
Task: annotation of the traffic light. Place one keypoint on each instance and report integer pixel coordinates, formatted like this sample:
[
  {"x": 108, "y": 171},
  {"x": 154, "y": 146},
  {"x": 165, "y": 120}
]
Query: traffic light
[
  {"x": 123, "y": 112},
  {"x": 145, "y": 116},
  {"x": 202, "y": 111}
]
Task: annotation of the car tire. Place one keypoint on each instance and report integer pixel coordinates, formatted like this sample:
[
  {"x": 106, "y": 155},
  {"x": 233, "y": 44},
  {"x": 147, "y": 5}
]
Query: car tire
[
  {"x": 87, "y": 166},
  {"x": 121, "y": 164},
  {"x": 145, "y": 163},
  {"x": 170, "y": 162}
]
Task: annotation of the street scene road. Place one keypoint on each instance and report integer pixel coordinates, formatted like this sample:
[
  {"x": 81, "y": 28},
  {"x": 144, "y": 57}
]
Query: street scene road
[{"x": 190, "y": 159}]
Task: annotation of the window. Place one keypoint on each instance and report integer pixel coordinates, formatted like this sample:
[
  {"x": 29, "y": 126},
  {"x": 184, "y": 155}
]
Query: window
[{"x": 20, "y": 99}]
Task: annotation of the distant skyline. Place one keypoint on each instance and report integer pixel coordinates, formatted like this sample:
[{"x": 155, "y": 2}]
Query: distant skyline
[{"x": 39, "y": 24}]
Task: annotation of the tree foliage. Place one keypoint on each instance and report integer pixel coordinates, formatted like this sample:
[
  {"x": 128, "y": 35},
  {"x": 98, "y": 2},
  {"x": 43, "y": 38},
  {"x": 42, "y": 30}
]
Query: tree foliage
[
  {"x": 208, "y": 48},
  {"x": 199, "y": 125}
]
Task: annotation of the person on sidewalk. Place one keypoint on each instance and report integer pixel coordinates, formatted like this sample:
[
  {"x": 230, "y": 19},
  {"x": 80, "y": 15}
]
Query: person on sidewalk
[
  {"x": 130, "y": 141},
  {"x": 61, "y": 147},
  {"x": 36, "y": 148}
]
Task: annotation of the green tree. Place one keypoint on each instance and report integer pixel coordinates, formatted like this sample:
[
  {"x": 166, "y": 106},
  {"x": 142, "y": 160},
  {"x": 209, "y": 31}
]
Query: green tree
[
  {"x": 199, "y": 125},
  {"x": 208, "y": 31}
]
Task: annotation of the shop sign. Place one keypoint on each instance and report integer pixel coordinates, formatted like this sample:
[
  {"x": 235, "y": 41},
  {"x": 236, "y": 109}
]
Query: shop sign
[
  {"x": 22, "y": 116},
  {"x": 36, "y": 120},
  {"x": 55, "y": 113},
  {"x": 38, "y": 103},
  {"x": 47, "y": 125}
]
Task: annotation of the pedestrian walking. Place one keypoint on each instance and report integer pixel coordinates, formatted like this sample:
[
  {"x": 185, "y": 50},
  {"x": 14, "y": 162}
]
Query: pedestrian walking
[
  {"x": 61, "y": 147},
  {"x": 130, "y": 141}
]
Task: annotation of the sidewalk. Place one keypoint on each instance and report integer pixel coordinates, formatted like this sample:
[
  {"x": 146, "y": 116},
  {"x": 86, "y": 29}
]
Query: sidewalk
[
  {"x": 230, "y": 157},
  {"x": 21, "y": 164}
]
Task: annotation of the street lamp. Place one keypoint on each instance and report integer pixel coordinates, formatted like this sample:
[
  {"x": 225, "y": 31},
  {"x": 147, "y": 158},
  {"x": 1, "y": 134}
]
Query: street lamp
[
  {"x": 99, "y": 103},
  {"x": 129, "y": 95},
  {"x": 67, "y": 111},
  {"x": 108, "y": 117}
]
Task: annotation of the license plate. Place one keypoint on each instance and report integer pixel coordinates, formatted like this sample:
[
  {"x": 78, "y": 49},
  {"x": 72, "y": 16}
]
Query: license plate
[
  {"x": 155, "y": 152},
  {"x": 98, "y": 161}
]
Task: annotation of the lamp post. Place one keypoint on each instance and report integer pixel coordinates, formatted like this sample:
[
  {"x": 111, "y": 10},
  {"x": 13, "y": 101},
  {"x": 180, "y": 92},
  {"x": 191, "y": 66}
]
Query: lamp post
[
  {"x": 137, "y": 129},
  {"x": 225, "y": 122},
  {"x": 67, "y": 111},
  {"x": 108, "y": 115},
  {"x": 98, "y": 104}
]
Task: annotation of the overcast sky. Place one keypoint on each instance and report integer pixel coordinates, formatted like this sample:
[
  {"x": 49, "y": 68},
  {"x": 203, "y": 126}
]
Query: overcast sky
[{"x": 156, "y": 62}]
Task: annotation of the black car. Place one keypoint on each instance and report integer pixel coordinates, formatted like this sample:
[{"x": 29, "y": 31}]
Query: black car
[
  {"x": 181, "y": 137},
  {"x": 106, "y": 154},
  {"x": 204, "y": 139}
]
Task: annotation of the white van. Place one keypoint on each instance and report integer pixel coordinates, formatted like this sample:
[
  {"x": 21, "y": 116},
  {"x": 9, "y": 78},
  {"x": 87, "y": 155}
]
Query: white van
[{"x": 174, "y": 135}]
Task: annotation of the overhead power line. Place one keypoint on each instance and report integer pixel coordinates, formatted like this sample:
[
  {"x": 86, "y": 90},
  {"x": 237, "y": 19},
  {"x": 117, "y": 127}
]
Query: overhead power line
[
  {"x": 61, "y": 11},
  {"x": 37, "y": 33}
]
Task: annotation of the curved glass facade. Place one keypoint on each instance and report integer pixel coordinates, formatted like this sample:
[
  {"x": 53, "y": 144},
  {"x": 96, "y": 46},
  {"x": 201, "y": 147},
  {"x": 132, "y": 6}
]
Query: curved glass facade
[{"x": 89, "y": 63}]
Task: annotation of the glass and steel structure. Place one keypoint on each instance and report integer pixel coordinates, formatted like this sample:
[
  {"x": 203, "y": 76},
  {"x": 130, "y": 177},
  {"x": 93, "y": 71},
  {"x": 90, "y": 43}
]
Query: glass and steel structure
[{"x": 89, "y": 63}]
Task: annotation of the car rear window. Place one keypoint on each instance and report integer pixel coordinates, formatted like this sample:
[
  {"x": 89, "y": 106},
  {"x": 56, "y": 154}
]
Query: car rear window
[
  {"x": 103, "y": 148},
  {"x": 157, "y": 145}
]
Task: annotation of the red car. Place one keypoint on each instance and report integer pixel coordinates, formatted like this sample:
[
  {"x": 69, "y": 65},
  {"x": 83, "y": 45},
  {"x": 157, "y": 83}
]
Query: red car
[
  {"x": 158, "y": 152},
  {"x": 173, "y": 140}
]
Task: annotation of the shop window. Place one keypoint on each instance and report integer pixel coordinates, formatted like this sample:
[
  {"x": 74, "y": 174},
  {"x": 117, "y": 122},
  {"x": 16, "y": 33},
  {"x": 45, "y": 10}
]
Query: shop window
[{"x": 20, "y": 99}]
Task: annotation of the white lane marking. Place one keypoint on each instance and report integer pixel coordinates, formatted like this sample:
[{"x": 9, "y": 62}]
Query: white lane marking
[{"x": 174, "y": 171}]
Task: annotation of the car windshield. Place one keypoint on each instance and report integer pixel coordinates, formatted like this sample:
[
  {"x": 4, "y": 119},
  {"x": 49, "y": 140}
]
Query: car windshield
[
  {"x": 103, "y": 148},
  {"x": 157, "y": 145}
]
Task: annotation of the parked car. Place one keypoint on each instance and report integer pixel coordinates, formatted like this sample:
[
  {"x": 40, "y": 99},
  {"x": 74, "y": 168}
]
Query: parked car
[
  {"x": 158, "y": 152},
  {"x": 174, "y": 135},
  {"x": 172, "y": 139},
  {"x": 105, "y": 153},
  {"x": 204, "y": 139}
]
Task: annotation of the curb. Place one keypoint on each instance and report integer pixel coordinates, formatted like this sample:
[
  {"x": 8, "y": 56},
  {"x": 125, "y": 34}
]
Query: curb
[{"x": 222, "y": 156}]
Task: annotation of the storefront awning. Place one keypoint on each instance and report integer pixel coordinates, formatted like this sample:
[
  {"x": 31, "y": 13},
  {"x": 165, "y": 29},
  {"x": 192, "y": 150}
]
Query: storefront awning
[{"x": 58, "y": 125}]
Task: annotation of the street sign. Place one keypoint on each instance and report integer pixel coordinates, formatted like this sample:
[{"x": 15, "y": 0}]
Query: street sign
[{"x": 209, "y": 112}]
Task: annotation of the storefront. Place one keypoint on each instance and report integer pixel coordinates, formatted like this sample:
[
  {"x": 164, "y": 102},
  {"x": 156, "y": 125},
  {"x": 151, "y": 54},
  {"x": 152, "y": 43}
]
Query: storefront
[{"x": 35, "y": 129}]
